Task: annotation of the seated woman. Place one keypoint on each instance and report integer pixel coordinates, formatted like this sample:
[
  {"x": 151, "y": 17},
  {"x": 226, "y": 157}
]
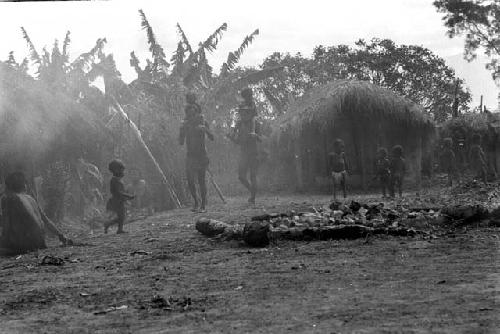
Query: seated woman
[{"x": 23, "y": 222}]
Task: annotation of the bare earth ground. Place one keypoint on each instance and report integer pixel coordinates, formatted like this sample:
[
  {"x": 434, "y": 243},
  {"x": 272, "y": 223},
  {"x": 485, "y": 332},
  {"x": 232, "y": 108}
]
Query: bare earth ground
[{"x": 383, "y": 284}]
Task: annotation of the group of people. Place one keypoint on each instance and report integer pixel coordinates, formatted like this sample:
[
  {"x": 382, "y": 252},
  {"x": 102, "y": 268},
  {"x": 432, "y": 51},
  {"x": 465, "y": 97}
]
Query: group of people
[
  {"x": 24, "y": 223},
  {"x": 389, "y": 170},
  {"x": 477, "y": 160},
  {"x": 246, "y": 134},
  {"x": 193, "y": 132}
]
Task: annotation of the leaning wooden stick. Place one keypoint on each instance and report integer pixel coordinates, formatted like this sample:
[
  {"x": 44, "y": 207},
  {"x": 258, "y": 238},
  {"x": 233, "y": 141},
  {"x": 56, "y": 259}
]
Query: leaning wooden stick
[
  {"x": 138, "y": 135},
  {"x": 219, "y": 192}
]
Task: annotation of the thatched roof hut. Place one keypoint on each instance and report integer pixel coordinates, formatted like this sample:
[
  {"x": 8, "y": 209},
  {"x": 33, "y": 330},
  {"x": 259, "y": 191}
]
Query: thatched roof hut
[
  {"x": 36, "y": 122},
  {"x": 364, "y": 115},
  {"x": 462, "y": 128}
]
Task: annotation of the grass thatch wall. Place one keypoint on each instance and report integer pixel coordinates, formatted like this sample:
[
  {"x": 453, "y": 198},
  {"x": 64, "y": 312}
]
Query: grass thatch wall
[{"x": 364, "y": 115}]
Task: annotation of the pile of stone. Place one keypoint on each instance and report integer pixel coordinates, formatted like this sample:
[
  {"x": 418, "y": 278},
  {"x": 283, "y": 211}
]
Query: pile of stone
[{"x": 341, "y": 221}]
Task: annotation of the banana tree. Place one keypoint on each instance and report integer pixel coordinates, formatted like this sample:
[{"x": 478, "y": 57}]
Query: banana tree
[{"x": 191, "y": 71}]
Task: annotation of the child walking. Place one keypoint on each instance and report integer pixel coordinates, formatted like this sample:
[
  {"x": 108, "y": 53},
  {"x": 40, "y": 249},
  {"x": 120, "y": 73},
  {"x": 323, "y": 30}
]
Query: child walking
[
  {"x": 397, "y": 169},
  {"x": 116, "y": 203},
  {"x": 383, "y": 171}
]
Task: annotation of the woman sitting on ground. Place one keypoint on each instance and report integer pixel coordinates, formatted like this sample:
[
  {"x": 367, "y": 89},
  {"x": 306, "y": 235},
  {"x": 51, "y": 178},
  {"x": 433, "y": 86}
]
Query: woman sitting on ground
[{"x": 23, "y": 222}]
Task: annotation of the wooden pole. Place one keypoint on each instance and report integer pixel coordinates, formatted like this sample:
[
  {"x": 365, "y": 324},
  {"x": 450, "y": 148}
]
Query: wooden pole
[
  {"x": 138, "y": 135},
  {"x": 216, "y": 186}
]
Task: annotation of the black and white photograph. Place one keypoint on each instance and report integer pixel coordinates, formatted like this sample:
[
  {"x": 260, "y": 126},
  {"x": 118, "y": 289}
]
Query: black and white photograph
[{"x": 250, "y": 166}]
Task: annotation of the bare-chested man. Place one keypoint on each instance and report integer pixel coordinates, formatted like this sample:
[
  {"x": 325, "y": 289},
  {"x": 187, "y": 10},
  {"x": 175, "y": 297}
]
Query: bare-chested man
[
  {"x": 193, "y": 131},
  {"x": 246, "y": 134}
]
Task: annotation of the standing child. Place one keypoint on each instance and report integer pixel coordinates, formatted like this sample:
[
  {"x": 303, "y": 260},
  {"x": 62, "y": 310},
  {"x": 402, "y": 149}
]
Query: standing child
[
  {"x": 338, "y": 167},
  {"x": 116, "y": 203},
  {"x": 397, "y": 169},
  {"x": 383, "y": 171},
  {"x": 449, "y": 161},
  {"x": 477, "y": 159}
]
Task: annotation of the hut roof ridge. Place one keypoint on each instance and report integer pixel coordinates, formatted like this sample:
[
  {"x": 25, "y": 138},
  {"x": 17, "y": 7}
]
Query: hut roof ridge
[{"x": 324, "y": 103}]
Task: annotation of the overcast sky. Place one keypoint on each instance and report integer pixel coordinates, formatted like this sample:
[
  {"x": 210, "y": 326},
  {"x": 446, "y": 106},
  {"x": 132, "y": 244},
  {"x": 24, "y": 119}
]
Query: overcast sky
[{"x": 286, "y": 26}]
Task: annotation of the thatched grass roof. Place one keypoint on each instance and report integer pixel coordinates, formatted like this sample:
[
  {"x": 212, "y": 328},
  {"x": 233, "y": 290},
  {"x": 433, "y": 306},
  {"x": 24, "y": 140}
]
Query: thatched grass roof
[
  {"x": 325, "y": 104},
  {"x": 470, "y": 123},
  {"x": 34, "y": 118}
]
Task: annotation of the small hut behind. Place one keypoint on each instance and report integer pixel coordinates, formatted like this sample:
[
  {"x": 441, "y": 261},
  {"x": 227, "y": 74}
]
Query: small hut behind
[
  {"x": 462, "y": 128},
  {"x": 365, "y": 116}
]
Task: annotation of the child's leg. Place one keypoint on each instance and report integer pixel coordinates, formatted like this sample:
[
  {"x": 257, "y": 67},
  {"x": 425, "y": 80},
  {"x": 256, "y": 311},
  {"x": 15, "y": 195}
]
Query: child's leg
[
  {"x": 202, "y": 183},
  {"x": 334, "y": 183},
  {"x": 191, "y": 184},
  {"x": 121, "y": 218},
  {"x": 110, "y": 223},
  {"x": 392, "y": 182},
  {"x": 253, "y": 183},
  {"x": 400, "y": 186},
  {"x": 243, "y": 169},
  {"x": 382, "y": 185},
  {"x": 343, "y": 184}
]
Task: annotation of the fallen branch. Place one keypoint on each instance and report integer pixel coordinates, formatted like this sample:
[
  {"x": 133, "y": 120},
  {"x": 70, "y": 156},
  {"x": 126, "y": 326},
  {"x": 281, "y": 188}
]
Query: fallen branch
[{"x": 259, "y": 234}]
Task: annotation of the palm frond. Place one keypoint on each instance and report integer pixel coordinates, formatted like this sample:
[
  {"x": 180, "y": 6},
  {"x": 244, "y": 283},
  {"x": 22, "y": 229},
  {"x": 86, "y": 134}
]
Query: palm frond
[
  {"x": 184, "y": 39},
  {"x": 106, "y": 69},
  {"x": 234, "y": 57},
  {"x": 204, "y": 69},
  {"x": 178, "y": 57},
  {"x": 134, "y": 62},
  {"x": 11, "y": 60},
  {"x": 275, "y": 103},
  {"x": 211, "y": 42},
  {"x": 66, "y": 42},
  {"x": 234, "y": 82},
  {"x": 45, "y": 57},
  {"x": 56, "y": 53},
  {"x": 159, "y": 58},
  {"x": 85, "y": 60},
  {"x": 34, "y": 56},
  {"x": 256, "y": 76},
  {"x": 196, "y": 61}
]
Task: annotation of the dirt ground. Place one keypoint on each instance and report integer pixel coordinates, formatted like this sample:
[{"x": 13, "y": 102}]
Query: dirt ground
[{"x": 165, "y": 277}]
